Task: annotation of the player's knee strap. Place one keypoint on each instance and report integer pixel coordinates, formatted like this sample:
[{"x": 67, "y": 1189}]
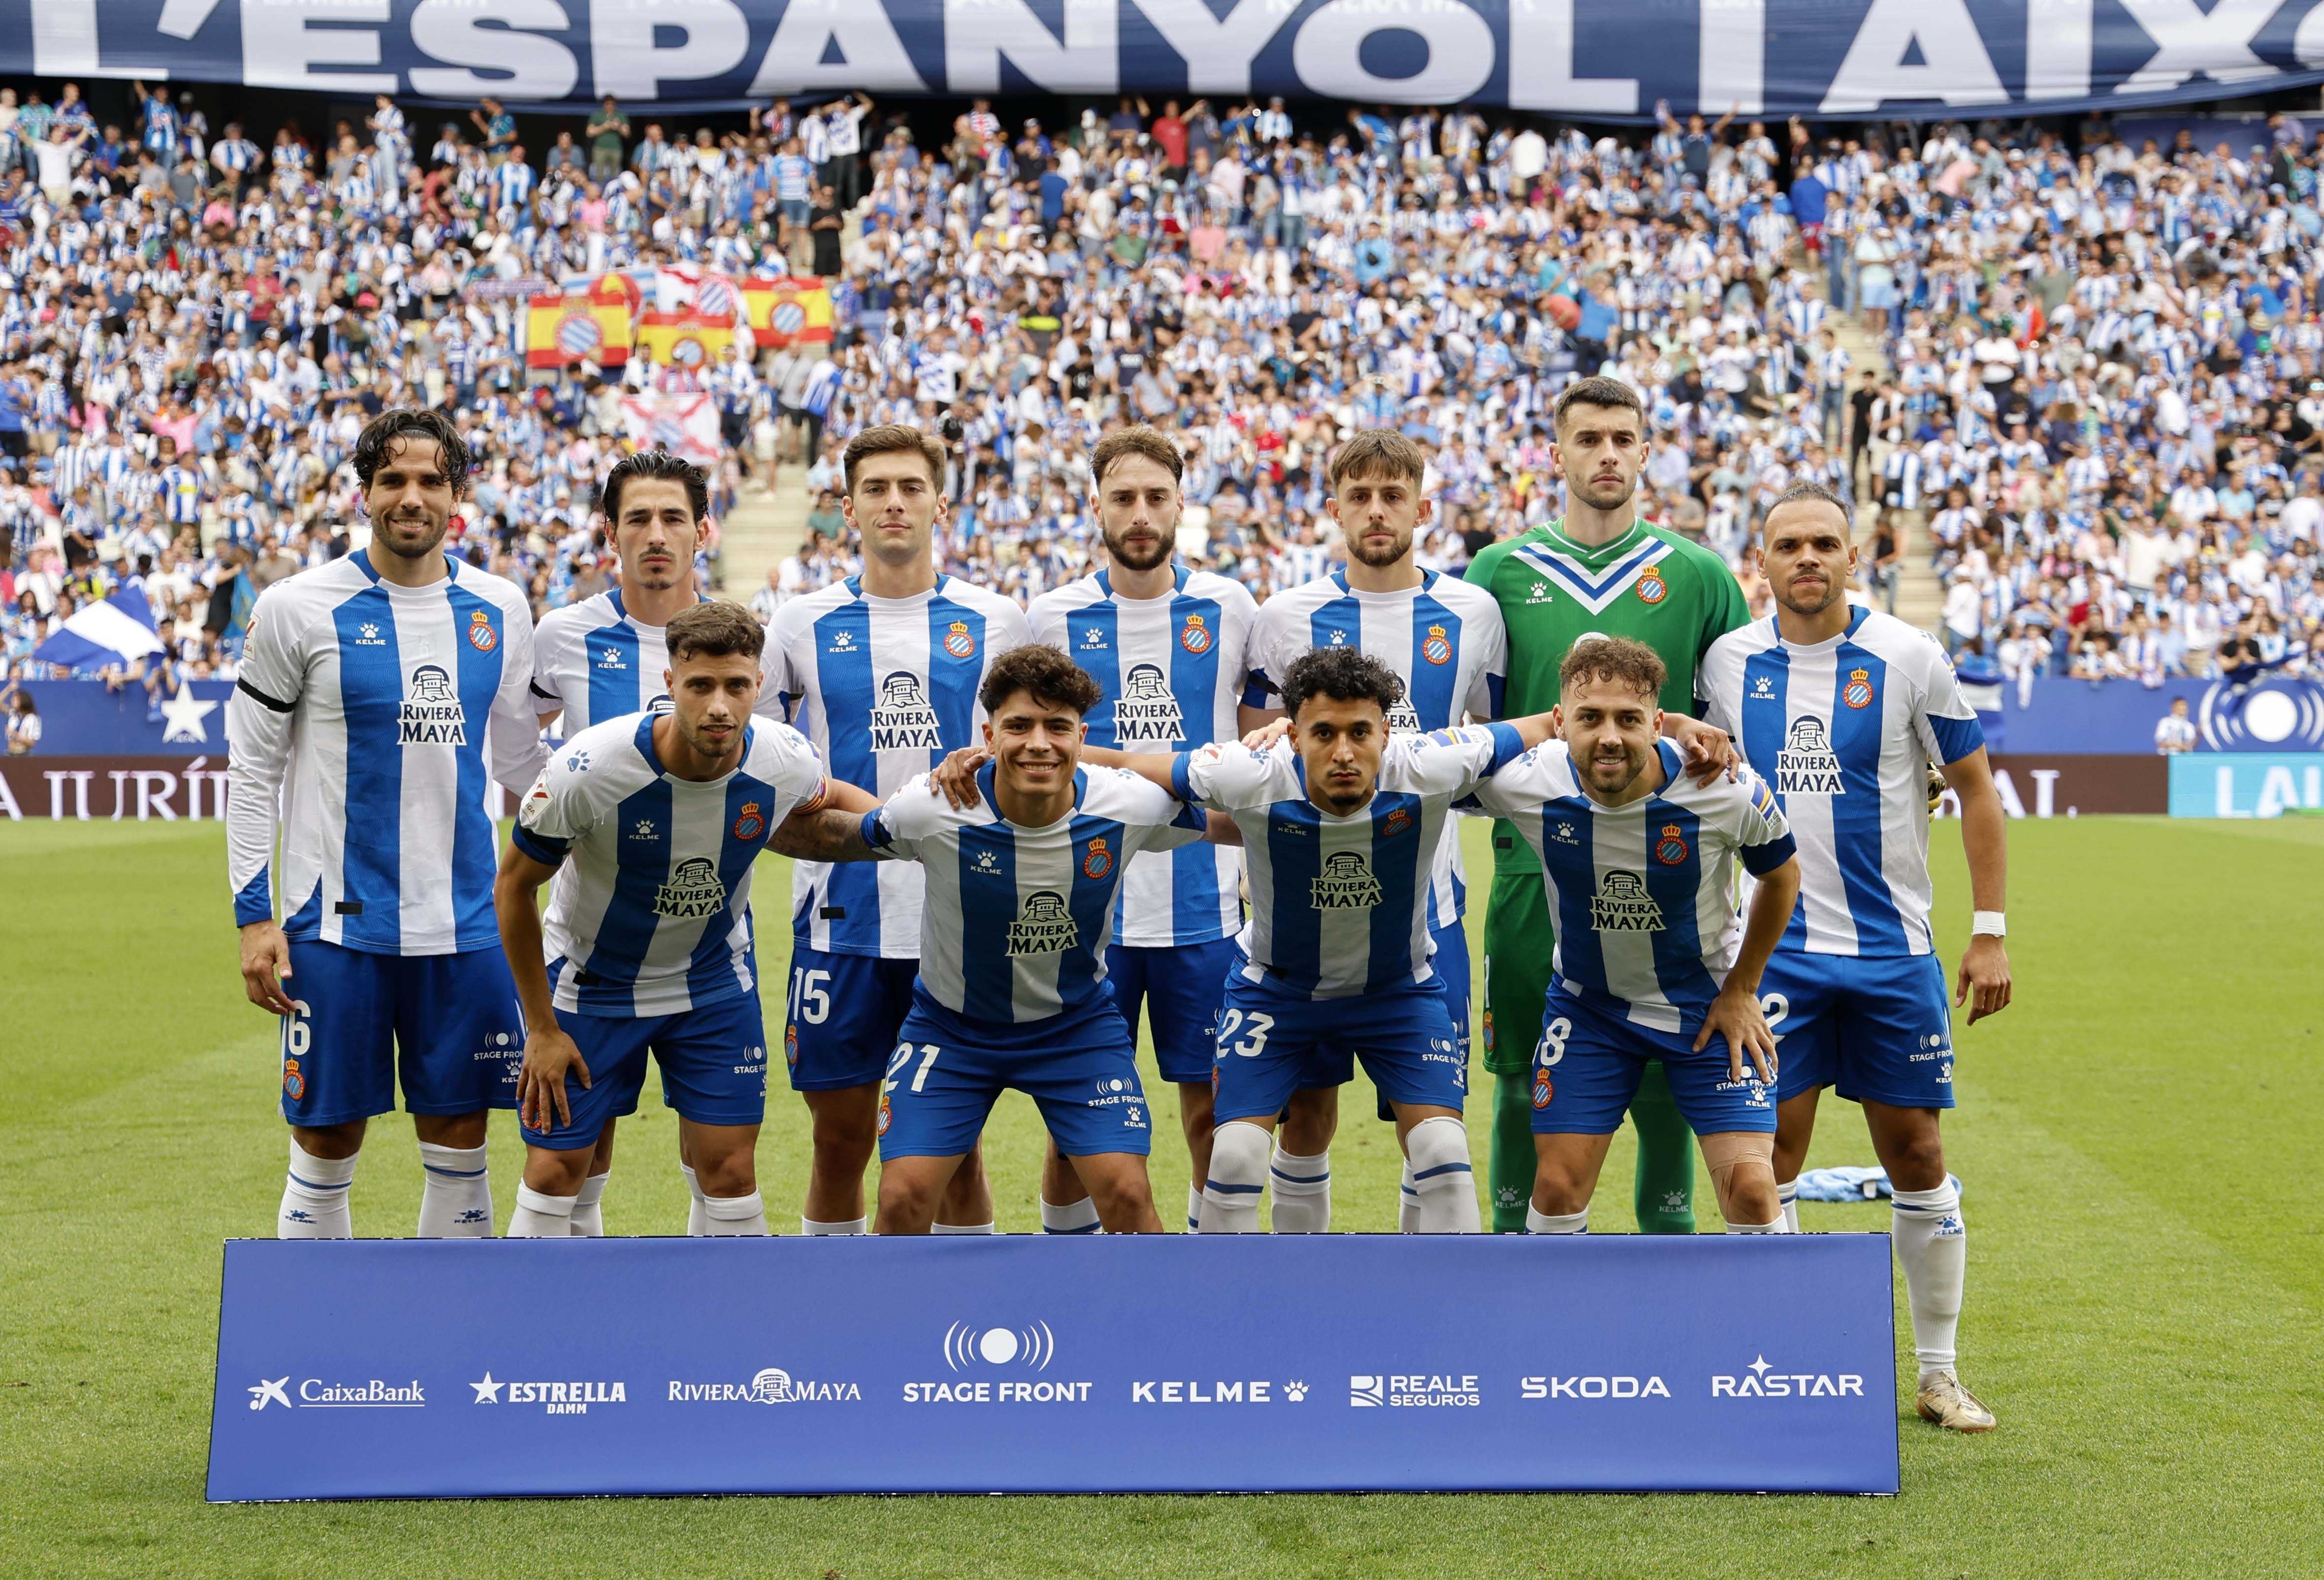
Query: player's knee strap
[
  {"x": 1239, "y": 1155},
  {"x": 1438, "y": 1148},
  {"x": 1730, "y": 1149}
]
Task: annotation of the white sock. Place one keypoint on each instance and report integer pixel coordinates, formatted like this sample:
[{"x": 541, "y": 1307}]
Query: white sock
[
  {"x": 315, "y": 1198},
  {"x": 1194, "y": 1206},
  {"x": 539, "y": 1215},
  {"x": 1540, "y": 1223},
  {"x": 1408, "y": 1203},
  {"x": 1775, "y": 1225},
  {"x": 735, "y": 1214},
  {"x": 1934, "y": 1248},
  {"x": 588, "y": 1219},
  {"x": 455, "y": 1194},
  {"x": 1238, "y": 1173},
  {"x": 984, "y": 1228},
  {"x": 697, "y": 1222},
  {"x": 1788, "y": 1194},
  {"x": 1438, "y": 1148},
  {"x": 1075, "y": 1217},
  {"x": 851, "y": 1226},
  {"x": 1303, "y": 1192}
]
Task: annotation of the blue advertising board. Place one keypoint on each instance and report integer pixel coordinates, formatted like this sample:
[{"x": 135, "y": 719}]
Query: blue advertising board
[
  {"x": 1024, "y": 1363},
  {"x": 2245, "y": 784},
  {"x": 1757, "y": 58},
  {"x": 88, "y": 718},
  {"x": 2073, "y": 718}
]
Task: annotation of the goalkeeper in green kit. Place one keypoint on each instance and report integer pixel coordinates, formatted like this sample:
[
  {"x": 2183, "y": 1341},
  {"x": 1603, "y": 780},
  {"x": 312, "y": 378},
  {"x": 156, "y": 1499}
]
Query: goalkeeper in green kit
[{"x": 1601, "y": 571}]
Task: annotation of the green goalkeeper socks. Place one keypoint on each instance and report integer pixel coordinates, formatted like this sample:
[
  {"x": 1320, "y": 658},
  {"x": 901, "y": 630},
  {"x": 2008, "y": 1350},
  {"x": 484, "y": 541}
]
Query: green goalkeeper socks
[
  {"x": 1513, "y": 1153},
  {"x": 1665, "y": 1184}
]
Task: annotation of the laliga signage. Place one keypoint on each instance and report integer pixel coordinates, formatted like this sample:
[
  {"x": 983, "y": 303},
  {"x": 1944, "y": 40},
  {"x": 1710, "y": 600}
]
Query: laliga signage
[{"x": 1605, "y": 62}]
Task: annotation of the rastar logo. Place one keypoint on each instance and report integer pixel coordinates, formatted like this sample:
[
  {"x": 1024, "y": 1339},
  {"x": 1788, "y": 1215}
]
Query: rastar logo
[
  {"x": 1145, "y": 711},
  {"x": 1605, "y": 1387},
  {"x": 1761, "y": 1380},
  {"x": 1807, "y": 765}
]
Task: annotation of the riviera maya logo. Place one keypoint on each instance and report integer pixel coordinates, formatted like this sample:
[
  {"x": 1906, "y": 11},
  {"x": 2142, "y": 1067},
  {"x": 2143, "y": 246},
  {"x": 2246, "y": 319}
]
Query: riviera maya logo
[
  {"x": 1045, "y": 927},
  {"x": 1345, "y": 884},
  {"x": 693, "y": 891}
]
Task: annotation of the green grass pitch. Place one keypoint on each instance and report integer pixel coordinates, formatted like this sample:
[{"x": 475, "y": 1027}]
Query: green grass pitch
[{"x": 2145, "y": 1310}]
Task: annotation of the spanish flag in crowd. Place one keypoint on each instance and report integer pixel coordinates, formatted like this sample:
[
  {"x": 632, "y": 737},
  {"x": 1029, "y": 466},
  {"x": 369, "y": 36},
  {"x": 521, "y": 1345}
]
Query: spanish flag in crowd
[
  {"x": 796, "y": 307},
  {"x": 588, "y": 324},
  {"x": 685, "y": 339}
]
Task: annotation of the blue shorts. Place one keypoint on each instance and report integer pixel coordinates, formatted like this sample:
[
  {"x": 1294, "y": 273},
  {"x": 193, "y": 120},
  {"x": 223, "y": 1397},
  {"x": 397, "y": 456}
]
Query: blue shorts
[
  {"x": 1337, "y": 1067},
  {"x": 1272, "y": 1043},
  {"x": 946, "y": 1071},
  {"x": 1182, "y": 987},
  {"x": 446, "y": 1027},
  {"x": 1587, "y": 1064},
  {"x": 1879, "y": 1028},
  {"x": 712, "y": 1060},
  {"x": 844, "y": 1014}
]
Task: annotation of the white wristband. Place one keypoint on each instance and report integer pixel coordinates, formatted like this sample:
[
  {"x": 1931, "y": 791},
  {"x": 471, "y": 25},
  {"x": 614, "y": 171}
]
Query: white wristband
[{"x": 1987, "y": 924}]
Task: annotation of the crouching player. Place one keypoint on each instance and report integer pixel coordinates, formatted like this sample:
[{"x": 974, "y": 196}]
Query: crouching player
[
  {"x": 1639, "y": 865},
  {"x": 651, "y": 824},
  {"x": 1011, "y": 992}
]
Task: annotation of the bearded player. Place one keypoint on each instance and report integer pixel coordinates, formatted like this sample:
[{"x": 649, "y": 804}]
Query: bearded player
[
  {"x": 1840, "y": 708},
  {"x": 1599, "y": 569}
]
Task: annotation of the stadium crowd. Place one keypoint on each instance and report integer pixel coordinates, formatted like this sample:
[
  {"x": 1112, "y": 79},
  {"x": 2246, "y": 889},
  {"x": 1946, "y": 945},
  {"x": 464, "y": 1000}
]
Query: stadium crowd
[{"x": 2100, "y": 411}]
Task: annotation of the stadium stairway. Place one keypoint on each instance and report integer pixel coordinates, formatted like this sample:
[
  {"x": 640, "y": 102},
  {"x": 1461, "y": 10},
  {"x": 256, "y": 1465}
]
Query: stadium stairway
[
  {"x": 765, "y": 524},
  {"x": 1920, "y": 599}
]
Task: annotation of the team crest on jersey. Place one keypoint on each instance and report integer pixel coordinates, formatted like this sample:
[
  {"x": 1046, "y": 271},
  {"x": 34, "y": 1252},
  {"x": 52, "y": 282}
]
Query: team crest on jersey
[
  {"x": 1542, "y": 1090},
  {"x": 1437, "y": 647},
  {"x": 886, "y": 1114},
  {"x": 1651, "y": 587},
  {"x": 959, "y": 642},
  {"x": 1858, "y": 692},
  {"x": 1145, "y": 711},
  {"x": 1196, "y": 636},
  {"x": 1624, "y": 906},
  {"x": 294, "y": 1084},
  {"x": 481, "y": 634},
  {"x": 1396, "y": 823},
  {"x": 748, "y": 823},
  {"x": 1671, "y": 849},
  {"x": 790, "y": 1046},
  {"x": 693, "y": 891},
  {"x": 430, "y": 713},
  {"x": 1807, "y": 765},
  {"x": 1099, "y": 861},
  {"x": 1045, "y": 927},
  {"x": 903, "y": 720},
  {"x": 1345, "y": 884}
]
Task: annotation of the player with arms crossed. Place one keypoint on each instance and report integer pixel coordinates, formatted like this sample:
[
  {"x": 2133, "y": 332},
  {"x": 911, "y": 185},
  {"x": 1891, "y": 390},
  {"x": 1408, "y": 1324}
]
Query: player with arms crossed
[
  {"x": 1442, "y": 639},
  {"x": 606, "y": 657},
  {"x": 650, "y": 823},
  {"x": 1021, "y": 885},
  {"x": 377, "y": 695},
  {"x": 1166, "y": 646},
  {"x": 882, "y": 671},
  {"x": 1599, "y": 569},
  {"x": 1638, "y": 863},
  {"x": 1841, "y": 707}
]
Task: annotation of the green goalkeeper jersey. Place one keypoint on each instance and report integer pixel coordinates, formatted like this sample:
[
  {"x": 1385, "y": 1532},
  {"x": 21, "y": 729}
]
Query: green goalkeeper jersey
[{"x": 1658, "y": 587}]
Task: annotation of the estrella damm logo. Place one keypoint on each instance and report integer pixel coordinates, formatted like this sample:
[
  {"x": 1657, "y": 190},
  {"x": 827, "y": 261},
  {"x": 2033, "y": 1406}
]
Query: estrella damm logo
[
  {"x": 1542, "y": 1090},
  {"x": 294, "y": 1084},
  {"x": 1099, "y": 861},
  {"x": 1438, "y": 647},
  {"x": 1196, "y": 638},
  {"x": 959, "y": 642},
  {"x": 1858, "y": 692},
  {"x": 1651, "y": 587},
  {"x": 481, "y": 634},
  {"x": 748, "y": 823},
  {"x": 1671, "y": 849}
]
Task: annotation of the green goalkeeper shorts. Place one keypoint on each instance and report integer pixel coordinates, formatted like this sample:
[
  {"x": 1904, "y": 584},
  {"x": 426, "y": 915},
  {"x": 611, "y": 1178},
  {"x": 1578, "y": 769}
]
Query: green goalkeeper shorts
[{"x": 1519, "y": 945}]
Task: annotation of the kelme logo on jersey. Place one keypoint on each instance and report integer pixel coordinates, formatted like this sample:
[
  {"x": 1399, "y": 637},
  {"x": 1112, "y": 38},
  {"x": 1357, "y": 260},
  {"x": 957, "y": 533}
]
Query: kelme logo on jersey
[
  {"x": 1195, "y": 636},
  {"x": 748, "y": 822},
  {"x": 481, "y": 634},
  {"x": 1651, "y": 586},
  {"x": 1624, "y": 906},
  {"x": 1097, "y": 861},
  {"x": 1045, "y": 927},
  {"x": 692, "y": 890},
  {"x": 1145, "y": 711},
  {"x": 1345, "y": 884},
  {"x": 1858, "y": 692},
  {"x": 958, "y": 641},
  {"x": 1437, "y": 647},
  {"x": 1807, "y": 765},
  {"x": 903, "y": 720},
  {"x": 1671, "y": 848},
  {"x": 430, "y": 713}
]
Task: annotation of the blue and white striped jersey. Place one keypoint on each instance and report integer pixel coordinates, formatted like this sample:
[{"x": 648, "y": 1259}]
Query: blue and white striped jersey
[
  {"x": 1340, "y": 905},
  {"x": 884, "y": 688},
  {"x": 597, "y": 661},
  {"x": 1643, "y": 894},
  {"x": 367, "y": 720},
  {"x": 651, "y": 911},
  {"x": 1842, "y": 730},
  {"x": 1172, "y": 670},
  {"x": 1444, "y": 638},
  {"x": 1017, "y": 919}
]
